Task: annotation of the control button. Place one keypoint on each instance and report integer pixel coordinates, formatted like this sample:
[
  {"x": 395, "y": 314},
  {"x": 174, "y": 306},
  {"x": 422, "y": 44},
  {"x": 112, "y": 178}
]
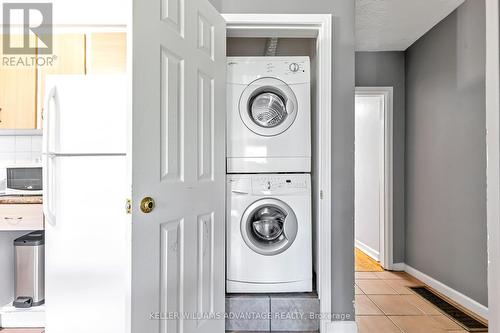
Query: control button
[{"x": 294, "y": 67}]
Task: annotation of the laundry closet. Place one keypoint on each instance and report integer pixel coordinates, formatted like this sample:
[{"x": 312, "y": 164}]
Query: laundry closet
[{"x": 272, "y": 189}]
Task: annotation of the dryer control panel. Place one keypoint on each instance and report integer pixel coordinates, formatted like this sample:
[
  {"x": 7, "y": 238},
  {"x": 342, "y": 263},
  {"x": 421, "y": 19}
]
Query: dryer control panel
[{"x": 291, "y": 70}]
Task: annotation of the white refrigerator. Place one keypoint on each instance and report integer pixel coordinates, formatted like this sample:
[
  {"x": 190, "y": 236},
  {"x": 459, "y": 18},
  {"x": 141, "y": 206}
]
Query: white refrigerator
[{"x": 85, "y": 186}]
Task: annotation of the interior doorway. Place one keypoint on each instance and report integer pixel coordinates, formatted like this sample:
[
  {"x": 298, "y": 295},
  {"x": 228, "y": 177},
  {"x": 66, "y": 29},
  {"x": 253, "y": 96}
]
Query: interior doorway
[{"x": 373, "y": 178}]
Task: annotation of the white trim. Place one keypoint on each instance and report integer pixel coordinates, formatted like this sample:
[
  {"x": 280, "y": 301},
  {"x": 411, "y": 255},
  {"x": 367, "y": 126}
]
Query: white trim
[
  {"x": 342, "y": 327},
  {"x": 10, "y": 132},
  {"x": 372, "y": 253},
  {"x": 386, "y": 218},
  {"x": 278, "y": 25},
  {"x": 493, "y": 166},
  {"x": 399, "y": 266},
  {"x": 322, "y": 25},
  {"x": 449, "y": 292}
]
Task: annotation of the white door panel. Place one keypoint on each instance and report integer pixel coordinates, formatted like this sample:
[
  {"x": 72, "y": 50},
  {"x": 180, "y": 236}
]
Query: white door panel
[
  {"x": 178, "y": 159},
  {"x": 369, "y": 155}
]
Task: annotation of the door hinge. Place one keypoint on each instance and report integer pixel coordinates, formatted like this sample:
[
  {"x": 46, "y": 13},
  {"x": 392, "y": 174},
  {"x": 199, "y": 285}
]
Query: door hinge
[
  {"x": 321, "y": 194},
  {"x": 128, "y": 206}
]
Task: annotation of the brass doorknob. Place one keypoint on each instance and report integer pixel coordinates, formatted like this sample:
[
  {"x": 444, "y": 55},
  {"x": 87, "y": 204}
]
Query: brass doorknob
[{"x": 147, "y": 205}]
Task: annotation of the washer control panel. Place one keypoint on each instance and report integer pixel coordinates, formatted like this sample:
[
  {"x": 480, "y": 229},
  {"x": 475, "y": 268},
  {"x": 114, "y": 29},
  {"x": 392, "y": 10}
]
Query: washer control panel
[{"x": 280, "y": 184}]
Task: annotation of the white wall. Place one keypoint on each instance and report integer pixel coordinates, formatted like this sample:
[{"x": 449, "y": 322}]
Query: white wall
[{"x": 368, "y": 155}]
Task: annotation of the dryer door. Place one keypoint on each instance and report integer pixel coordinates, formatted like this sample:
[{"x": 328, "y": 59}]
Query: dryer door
[
  {"x": 268, "y": 106},
  {"x": 269, "y": 226}
]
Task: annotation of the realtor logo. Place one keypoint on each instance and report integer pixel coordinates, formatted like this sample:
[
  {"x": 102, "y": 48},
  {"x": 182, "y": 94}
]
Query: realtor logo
[{"x": 27, "y": 28}]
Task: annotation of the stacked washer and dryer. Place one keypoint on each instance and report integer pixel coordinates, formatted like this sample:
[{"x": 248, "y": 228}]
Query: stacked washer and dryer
[{"x": 269, "y": 231}]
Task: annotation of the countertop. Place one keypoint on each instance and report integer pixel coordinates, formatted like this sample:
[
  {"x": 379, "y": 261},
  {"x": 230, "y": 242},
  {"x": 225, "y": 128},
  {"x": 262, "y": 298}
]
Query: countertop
[{"x": 20, "y": 199}]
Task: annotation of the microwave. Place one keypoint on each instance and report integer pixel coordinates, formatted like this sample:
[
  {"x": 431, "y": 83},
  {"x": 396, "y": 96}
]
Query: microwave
[{"x": 24, "y": 180}]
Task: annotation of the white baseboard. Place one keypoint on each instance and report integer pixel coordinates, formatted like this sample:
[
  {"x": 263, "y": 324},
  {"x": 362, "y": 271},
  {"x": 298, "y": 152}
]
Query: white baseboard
[
  {"x": 399, "y": 266},
  {"x": 453, "y": 294},
  {"x": 372, "y": 253},
  {"x": 342, "y": 327}
]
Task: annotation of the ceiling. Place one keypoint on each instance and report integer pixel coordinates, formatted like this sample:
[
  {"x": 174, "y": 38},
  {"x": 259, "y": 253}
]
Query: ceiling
[{"x": 394, "y": 25}]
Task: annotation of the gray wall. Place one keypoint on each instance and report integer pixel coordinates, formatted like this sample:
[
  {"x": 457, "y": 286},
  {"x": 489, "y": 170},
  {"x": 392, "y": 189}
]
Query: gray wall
[
  {"x": 343, "y": 130},
  {"x": 387, "y": 69},
  {"x": 445, "y": 152}
]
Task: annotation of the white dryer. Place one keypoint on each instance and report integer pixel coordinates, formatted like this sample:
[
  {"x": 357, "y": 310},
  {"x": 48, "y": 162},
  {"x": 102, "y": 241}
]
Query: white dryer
[
  {"x": 269, "y": 114},
  {"x": 269, "y": 246}
]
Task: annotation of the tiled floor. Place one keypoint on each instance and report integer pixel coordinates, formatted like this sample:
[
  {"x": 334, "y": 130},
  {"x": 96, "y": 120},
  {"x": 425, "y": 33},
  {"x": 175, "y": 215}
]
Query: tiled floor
[{"x": 385, "y": 304}]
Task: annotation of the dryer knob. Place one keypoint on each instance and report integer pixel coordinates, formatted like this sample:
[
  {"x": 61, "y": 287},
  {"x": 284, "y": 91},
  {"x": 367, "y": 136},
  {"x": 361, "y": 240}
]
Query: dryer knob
[{"x": 294, "y": 67}]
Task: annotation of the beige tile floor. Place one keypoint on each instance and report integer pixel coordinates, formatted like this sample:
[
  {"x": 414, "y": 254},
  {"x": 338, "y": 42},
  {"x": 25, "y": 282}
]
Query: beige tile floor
[{"x": 385, "y": 304}]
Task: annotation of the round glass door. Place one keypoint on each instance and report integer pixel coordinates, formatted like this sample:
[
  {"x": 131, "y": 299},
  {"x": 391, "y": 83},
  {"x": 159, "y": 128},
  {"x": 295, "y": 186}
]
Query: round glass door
[
  {"x": 268, "y": 106},
  {"x": 269, "y": 226},
  {"x": 268, "y": 109}
]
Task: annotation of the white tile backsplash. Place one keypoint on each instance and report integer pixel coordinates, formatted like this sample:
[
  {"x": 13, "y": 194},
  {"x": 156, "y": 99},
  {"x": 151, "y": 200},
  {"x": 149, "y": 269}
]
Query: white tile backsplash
[
  {"x": 36, "y": 157},
  {"x": 36, "y": 144},
  {"x": 7, "y": 144},
  {"x": 7, "y": 158},
  {"x": 18, "y": 149},
  {"x": 23, "y": 143},
  {"x": 23, "y": 157}
]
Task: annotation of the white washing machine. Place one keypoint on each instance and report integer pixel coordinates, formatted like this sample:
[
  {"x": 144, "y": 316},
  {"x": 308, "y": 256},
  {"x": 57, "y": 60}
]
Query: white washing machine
[
  {"x": 269, "y": 246},
  {"x": 269, "y": 114}
]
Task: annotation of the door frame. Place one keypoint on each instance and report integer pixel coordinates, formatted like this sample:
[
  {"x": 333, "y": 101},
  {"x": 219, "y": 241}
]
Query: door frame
[
  {"x": 317, "y": 26},
  {"x": 386, "y": 227},
  {"x": 493, "y": 157}
]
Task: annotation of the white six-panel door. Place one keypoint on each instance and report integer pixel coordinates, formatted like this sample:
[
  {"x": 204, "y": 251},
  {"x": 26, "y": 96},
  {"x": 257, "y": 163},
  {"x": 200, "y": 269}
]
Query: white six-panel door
[{"x": 178, "y": 160}]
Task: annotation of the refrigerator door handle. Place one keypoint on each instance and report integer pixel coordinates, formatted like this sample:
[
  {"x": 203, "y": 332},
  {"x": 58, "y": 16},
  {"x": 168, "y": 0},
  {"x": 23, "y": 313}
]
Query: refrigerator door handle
[
  {"x": 48, "y": 163},
  {"x": 48, "y": 189},
  {"x": 49, "y": 117}
]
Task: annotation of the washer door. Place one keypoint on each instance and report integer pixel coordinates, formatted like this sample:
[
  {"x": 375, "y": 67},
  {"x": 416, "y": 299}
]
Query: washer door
[
  {"x": 268, "y": 106},
  {"x": 269, "y": 226}
]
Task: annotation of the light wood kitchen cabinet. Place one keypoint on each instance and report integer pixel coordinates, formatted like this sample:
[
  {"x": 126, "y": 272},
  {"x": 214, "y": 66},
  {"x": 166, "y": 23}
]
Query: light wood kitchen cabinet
[
  {"x": 107, "y": 53},
  {"x": 17, "y": 95},
  {"x": 21, "y": 217},
  {"x": 22, "y": 88},
  {"x": 69, "y": 50}
]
